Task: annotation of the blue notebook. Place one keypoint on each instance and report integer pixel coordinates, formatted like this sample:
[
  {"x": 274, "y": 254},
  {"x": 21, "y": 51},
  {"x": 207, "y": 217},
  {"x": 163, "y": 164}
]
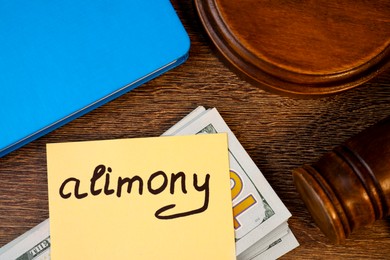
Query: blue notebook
[{"x": 60, "y": 59}]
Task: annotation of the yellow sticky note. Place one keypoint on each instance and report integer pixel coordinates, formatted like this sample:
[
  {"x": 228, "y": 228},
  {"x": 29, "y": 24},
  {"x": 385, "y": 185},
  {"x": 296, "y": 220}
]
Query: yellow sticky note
[{"x": 145, "y": 198}]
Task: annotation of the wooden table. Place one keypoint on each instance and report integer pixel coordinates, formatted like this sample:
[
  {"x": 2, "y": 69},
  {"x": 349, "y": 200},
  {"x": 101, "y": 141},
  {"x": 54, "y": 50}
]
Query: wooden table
[{"x": 279, "y": 133}]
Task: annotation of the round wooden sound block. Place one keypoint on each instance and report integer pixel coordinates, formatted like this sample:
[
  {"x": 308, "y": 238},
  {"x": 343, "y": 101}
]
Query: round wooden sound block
[{"x": 306, "y": 48}]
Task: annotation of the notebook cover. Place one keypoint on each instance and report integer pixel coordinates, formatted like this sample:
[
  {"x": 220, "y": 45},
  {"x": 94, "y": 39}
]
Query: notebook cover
[{"x": 61, "y": 59}]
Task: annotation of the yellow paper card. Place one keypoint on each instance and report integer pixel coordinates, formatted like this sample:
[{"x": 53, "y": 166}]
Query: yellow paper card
[{"x": 146, "y": 198}]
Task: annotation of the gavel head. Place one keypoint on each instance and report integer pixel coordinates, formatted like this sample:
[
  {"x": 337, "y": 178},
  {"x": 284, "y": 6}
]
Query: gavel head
[{"x": 349, "y": 187}]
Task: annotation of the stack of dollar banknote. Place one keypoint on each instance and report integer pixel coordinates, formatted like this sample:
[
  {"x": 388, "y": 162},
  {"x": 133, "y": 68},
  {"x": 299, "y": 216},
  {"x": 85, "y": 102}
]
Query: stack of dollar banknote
[{"x": 260, "y": 217}]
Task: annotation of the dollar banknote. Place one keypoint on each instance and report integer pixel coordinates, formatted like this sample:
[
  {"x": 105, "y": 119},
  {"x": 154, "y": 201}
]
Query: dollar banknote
[
  {"x": 32, "y": 245},
  {"x": 260, "y": 217}
]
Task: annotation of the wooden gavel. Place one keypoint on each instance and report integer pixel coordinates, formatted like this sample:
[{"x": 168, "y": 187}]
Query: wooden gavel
[{"x": 349, "y": 187}]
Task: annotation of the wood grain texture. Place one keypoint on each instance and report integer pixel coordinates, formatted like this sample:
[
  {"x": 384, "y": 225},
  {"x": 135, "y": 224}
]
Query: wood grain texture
[
  {"x": 279, "y": 133},
  {"x": 348, "y": 188},
  {"x": 307, "y": 48}
]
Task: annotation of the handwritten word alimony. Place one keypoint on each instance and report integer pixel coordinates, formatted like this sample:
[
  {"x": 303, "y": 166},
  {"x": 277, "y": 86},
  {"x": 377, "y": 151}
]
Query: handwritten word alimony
[{"x": 156, "y": 183}]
